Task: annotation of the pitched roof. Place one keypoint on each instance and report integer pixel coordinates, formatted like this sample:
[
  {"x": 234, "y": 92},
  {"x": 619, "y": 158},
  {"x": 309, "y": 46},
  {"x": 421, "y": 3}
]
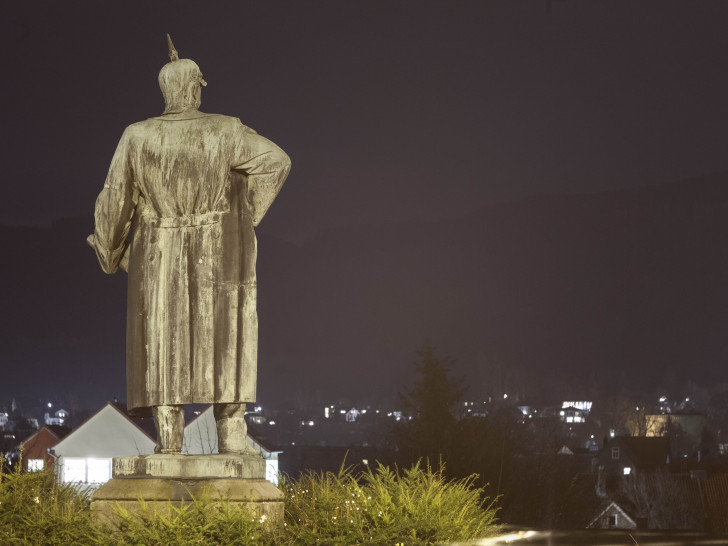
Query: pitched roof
[
  {"x": 611, "y": 506},
  {"x": 57, "y": 431},
  {"x": 108, "y": 432},
  {"x": 646, "y": 451},
  {"x": 146, "y": 424},
  {"x": 716, "y": 501},
  {"x": 205, "y": 421}
]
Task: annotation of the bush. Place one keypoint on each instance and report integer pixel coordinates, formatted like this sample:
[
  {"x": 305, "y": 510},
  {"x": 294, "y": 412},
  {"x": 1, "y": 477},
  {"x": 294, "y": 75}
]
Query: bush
[
  {"x": 417, "y": 507},
  {"x": 34, "y": 509},
  {"x": 202, "y": 521},
  {"x": 380, "y": 507}
]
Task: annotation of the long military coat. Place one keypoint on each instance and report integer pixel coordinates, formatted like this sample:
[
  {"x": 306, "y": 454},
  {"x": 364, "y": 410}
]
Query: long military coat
[{"x": 194, "y": 186}]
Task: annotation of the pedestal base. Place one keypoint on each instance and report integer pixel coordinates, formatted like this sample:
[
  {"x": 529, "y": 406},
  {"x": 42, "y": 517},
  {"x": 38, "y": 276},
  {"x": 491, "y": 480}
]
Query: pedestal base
[{"x": 165, "y": 481}]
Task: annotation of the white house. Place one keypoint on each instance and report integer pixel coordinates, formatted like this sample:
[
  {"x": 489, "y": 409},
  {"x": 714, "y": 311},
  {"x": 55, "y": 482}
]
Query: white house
[
  {"x": 84, "y": 456},
  {"x": 201, "y": 438},
  {"x": 612, "y": 516}
]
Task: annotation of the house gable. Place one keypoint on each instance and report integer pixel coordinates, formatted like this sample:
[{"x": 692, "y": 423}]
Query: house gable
[
  {"x": 200, "y": 437},
  {"x": 635, "y": 453},
  {"x": 612, "y": 516},
  {"x": 108, "y": 433},
  {"x": 34, "y": 447}
]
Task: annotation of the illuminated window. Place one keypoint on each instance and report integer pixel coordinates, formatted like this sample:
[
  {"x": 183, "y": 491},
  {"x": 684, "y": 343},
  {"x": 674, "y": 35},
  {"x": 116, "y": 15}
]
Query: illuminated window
[
  {"x": 35, "y": 465},
  {"x": 615, "y": 453},
  {"x": 627, "y": 470},
  {"x": 89, "y": 470},
  {"x": 74, "y": 470},
  {"x": 99, "y": 470},
  {"x": 271, "y": 471}
]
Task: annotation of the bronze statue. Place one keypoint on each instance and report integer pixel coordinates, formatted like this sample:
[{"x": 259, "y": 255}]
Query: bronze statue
[{"x": 194, "y": 185}]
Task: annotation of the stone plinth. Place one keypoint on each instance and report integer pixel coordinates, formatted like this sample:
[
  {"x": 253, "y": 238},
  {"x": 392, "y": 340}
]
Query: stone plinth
[
  {"x": 163, "y": 481},
  {"x": 190, "y": 466}
]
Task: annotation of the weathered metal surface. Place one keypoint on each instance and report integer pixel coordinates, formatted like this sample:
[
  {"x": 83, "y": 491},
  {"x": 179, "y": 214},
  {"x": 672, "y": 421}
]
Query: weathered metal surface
[{"x": 194, "y": 185}]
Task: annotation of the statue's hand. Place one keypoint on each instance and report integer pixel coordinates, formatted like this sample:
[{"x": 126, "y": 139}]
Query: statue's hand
[{"x": 123, "y": 264}]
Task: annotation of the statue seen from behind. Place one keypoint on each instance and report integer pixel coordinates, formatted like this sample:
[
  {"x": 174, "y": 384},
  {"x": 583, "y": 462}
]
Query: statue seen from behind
[{"x": 177, "y": 211}]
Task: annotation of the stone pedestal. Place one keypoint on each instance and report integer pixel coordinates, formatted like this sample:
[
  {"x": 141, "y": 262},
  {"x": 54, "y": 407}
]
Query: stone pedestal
[{"x": 162, "y": 481}]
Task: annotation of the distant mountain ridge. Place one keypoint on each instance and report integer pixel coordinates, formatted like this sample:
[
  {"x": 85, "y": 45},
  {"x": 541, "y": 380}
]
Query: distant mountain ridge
[{"x": 547, "y": 296}]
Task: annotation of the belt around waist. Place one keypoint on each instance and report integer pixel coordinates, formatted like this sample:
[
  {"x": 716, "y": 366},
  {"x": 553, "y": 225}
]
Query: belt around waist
[{"x": 193, "y": 220}]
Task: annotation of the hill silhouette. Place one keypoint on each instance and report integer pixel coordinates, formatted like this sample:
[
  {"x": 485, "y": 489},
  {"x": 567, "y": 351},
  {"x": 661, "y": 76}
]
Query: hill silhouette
[{"x": 557, "y": 295}]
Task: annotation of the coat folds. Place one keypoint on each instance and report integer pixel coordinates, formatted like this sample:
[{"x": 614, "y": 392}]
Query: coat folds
[{"x": 194, "y": 186}]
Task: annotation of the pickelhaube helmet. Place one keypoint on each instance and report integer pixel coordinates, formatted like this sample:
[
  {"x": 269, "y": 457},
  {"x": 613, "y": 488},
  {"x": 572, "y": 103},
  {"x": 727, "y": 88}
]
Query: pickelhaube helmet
[{"x": 179, "y": 81}]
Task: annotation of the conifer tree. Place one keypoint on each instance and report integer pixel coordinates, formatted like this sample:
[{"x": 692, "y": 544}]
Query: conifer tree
[{"x": 430, "y": 402}]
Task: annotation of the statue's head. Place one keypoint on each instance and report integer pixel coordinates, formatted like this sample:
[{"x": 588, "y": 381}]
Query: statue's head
[{"x": 180, "y": 81}]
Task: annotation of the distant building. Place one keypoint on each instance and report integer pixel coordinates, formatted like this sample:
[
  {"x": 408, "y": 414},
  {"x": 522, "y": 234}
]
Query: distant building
[
  {"x": 200, "y": 438},
  {"x": 574, "y": 411},
  {"x": 612, "y": 516},
  {"x": 84, "y": 456},
  {"x": 58, "y": 418},
  {"x": 716, "y": 502},
  {"x": 36, "y": 448},
  {"x": 625, "y": 455},
  {"x": 691, "y": 425}
]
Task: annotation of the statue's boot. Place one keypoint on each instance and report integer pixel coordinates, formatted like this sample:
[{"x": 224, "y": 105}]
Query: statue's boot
[
  {"x": 170, "y": 424},
  {"x": 232, "y": 430}
]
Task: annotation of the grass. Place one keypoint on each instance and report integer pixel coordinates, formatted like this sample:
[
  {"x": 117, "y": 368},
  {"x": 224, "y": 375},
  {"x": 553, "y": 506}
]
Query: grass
[{"x": 378, "y": 506}]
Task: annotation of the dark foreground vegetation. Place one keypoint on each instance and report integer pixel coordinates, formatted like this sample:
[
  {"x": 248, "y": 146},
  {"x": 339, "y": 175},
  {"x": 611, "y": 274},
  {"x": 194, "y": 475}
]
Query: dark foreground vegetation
[{"x": 382, "y": 506}]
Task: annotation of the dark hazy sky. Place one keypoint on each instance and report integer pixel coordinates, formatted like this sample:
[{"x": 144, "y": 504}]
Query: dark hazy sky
[{"x": 390, "y": 110}]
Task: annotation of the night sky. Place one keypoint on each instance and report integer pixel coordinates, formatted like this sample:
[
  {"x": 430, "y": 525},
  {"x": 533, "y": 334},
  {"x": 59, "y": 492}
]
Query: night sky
[{"x": 393, "y": 113}]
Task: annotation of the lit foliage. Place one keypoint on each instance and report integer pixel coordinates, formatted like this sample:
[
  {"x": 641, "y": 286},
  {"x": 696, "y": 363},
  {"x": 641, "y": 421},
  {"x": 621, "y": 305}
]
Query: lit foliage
[
  {"x": 202, "y": 521},
  {"x": 417, "y": 507},
  {"x": 380, "y": 507},
  {"x": 34, "y": 509}
]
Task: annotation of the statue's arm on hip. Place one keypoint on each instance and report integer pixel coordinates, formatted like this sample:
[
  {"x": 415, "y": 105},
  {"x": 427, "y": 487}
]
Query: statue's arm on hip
[{"x": 266, "y": 166}]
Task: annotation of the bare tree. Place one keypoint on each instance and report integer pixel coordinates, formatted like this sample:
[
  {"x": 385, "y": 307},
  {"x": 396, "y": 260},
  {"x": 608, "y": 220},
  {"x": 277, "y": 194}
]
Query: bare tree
[{"x": 667, "y": 501}]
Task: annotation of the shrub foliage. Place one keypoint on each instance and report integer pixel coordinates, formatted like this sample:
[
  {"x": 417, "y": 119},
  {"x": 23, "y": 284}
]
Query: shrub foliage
[
  {"x": 34, "y": 509},
  {"x": 382, "y": 506}
]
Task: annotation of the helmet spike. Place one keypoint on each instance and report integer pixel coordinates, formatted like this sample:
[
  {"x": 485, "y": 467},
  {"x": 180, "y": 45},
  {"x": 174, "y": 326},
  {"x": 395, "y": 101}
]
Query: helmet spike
[{"x": 173, "y": 55}]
